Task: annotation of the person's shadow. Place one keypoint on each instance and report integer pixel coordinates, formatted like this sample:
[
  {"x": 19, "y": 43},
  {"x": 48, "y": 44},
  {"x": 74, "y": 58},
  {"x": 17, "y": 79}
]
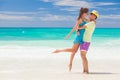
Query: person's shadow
[{"x": 97, "y": 73}]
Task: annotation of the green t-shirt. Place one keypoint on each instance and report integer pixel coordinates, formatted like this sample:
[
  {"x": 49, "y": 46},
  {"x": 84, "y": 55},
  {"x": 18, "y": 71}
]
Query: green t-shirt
[{"x": 89, "y": 31}]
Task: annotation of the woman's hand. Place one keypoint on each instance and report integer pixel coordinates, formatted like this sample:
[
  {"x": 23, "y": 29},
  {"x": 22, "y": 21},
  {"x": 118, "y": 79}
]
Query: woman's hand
[
  {"x": 77, "y": 30},
  {"x": 66, "y": 37},
  {"x": 69, "y": 34}
]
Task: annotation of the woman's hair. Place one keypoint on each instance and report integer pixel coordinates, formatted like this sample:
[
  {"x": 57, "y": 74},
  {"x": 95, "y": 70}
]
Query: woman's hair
[{"x": 82, "y": 10}]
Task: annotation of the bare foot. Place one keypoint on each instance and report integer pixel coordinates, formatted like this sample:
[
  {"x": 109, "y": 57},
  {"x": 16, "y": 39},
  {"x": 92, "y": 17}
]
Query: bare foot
[
  {"x": 85, "y": 72},
  {"x": 70, "y": 67},
  {"x": 56, "y": 51}
]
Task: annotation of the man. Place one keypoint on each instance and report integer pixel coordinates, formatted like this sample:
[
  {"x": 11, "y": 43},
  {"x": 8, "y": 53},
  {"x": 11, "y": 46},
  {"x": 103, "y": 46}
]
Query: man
[{"x": 89, "y": 29}]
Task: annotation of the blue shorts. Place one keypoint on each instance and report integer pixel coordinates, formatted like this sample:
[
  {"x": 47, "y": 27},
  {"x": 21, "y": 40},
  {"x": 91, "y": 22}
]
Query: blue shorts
[{"x": 78, "y": 40}]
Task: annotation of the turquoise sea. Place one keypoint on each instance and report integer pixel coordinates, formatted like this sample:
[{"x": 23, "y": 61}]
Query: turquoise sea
[{"x": 53, "y": 36}]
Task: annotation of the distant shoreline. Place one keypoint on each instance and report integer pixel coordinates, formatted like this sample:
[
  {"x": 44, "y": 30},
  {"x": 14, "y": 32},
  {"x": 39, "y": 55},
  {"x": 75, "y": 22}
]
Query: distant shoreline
[{"x": 60, "y": 27}]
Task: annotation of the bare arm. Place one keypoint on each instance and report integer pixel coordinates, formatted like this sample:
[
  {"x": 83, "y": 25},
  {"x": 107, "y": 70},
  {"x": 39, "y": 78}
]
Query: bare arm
[
  {"x": 85, "y": 26},
  {"x": 82, "y": 27},
  {"x": 73, "y": 29},
  {"x": 68, "y": 35}
]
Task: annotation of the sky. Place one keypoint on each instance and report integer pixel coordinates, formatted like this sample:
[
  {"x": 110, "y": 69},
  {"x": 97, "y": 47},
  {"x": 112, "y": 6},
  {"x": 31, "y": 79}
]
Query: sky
[{"x": 56, "y": 13}]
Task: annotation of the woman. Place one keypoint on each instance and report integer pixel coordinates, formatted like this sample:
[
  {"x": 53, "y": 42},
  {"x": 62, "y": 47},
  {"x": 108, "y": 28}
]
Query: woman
[{"x": 79, "y": 37}]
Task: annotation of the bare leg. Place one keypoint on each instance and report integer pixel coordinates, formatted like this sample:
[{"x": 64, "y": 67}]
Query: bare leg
[
  {"x": 63, "y": 50},
  {"x": 75, "y": 49},
  {"x": 68, "y": 49},
  {"x": 85, "y": 62}
]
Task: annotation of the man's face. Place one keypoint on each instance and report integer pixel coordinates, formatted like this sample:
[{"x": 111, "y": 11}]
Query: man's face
[{"x": 92, "y": 17}]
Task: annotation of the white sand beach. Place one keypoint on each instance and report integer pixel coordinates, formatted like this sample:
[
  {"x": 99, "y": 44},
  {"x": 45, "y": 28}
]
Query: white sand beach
[{"x": 37, "y": 63}]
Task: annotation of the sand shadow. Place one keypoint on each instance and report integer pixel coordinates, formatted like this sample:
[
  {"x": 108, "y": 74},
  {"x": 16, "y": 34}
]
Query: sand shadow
[{"x": 97, "y": 73}]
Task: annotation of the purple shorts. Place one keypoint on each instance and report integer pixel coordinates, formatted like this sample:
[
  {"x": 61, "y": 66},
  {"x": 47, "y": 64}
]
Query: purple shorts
[{"x": 85, "y": 46}]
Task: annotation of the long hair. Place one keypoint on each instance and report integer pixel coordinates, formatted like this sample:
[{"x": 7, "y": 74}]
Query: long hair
[{"x": 82, "y": 10}]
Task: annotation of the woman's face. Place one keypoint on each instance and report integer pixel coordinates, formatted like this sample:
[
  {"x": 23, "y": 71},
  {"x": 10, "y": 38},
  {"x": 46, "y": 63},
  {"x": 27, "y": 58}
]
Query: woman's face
[{"x": 84, "y": 15}]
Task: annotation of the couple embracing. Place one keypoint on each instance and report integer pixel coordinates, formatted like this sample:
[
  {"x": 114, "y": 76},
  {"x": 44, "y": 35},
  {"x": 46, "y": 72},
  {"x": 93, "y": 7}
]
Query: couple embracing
[{"x": 84, "y": 29}]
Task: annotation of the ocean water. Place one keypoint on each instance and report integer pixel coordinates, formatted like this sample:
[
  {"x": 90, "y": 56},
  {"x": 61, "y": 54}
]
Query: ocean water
[
  {"x": 33, "y": 33},
  {"x": 105, "y": 41},
  {"x": 51, "y": 36}
]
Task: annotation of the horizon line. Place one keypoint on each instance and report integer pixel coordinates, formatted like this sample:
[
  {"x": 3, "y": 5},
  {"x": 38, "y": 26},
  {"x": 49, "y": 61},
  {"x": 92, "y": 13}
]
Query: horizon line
[{"x": 51, "y": 27}]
